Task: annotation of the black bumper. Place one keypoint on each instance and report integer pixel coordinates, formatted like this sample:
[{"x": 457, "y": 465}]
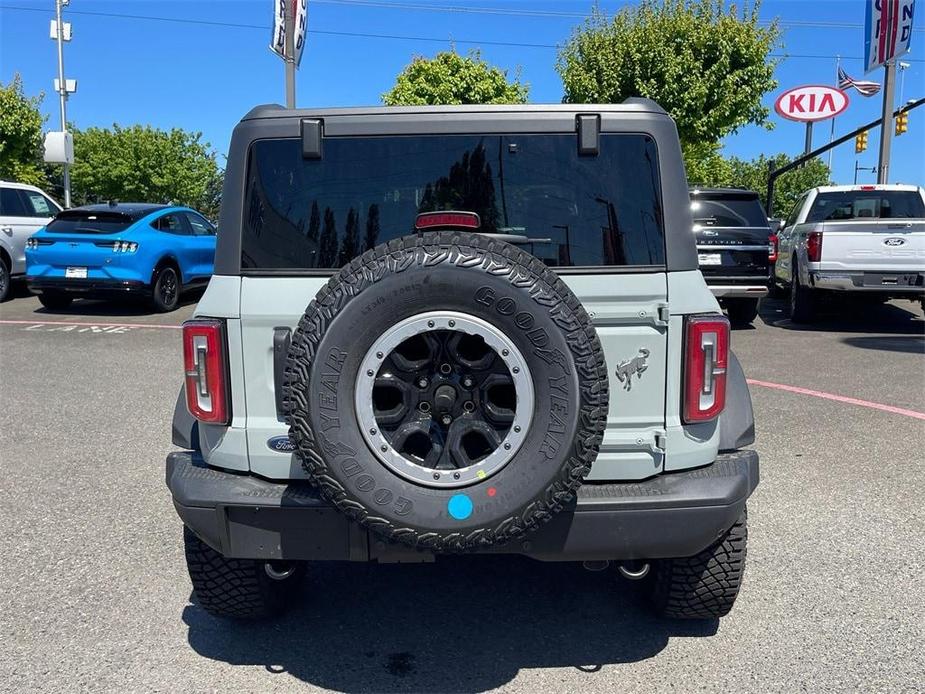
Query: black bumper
[
  {"x": 87, "y": 287},
  {"x": 672, "y": 515}
]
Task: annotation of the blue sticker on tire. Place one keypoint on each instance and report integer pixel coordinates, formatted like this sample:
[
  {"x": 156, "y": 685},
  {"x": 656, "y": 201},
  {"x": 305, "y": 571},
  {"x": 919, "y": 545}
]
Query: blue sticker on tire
[{"x": 460, "y": 507}]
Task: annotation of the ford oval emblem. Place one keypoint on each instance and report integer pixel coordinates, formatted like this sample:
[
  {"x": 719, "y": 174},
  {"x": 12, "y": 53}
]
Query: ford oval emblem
[
  {"x": 281, "y": 444},
  {"x": 894, "y": 242}
]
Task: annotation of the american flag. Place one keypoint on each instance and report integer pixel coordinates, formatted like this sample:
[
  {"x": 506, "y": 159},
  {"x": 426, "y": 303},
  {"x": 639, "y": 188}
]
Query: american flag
[{"x": 864, "y": 87}]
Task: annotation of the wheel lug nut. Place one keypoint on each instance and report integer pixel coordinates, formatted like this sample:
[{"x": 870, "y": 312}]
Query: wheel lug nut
[
  {"x": 447, "y": 419},
  {"x": 469, "y": 406},
  {"x": 445, "y": 369},
  {"x": 422, "y": 382},
  {"x": 467, "y": 382},
  {"x": 424, "y": 406}
]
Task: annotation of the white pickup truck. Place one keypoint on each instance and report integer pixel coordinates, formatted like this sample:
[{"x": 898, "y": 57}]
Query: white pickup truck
[{"x": 867, "y": 240}]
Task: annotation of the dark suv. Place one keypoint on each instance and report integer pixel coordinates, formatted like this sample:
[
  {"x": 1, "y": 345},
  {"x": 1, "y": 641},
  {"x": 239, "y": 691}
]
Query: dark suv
[{"x": 735, "y": 248}]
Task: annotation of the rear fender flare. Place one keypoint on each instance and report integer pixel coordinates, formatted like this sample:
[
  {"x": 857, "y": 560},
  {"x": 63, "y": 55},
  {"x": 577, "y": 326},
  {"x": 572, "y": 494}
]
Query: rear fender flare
[{"x": 737, "y": 421}]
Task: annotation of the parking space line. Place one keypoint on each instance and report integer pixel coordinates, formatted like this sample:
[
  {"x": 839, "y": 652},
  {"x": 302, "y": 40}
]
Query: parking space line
[
  {"x": 159, "y": 326},
  {"x": 838, "y": 398}
]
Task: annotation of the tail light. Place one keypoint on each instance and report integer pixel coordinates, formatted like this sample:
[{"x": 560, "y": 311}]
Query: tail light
[
  {"x": 206, "y": 367},
  {"x": 814, "y": 246},
  {"x": 772, "y": 248},
  {"x": 450, "y": 219},
  {"x": 705, "y": 360}
]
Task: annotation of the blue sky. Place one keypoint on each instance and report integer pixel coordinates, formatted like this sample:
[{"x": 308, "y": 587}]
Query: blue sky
[{"x": 205, "y": 77}]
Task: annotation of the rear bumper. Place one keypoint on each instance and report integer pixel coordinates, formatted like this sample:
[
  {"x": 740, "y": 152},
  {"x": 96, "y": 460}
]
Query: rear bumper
[
  {"x": 86, "y": 286},
  {"x": 671, "y": 515},
  {"x": 739, "y": 291},
  {"x": 894, "y": 283}
]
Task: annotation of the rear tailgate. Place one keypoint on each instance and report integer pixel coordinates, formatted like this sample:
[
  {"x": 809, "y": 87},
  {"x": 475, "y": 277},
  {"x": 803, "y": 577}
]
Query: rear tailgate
[
  {"x": 726, "y": 252},
  {"x": 891, "y": 245}
]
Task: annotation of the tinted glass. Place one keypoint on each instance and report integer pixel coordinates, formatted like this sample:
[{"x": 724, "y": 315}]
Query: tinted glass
[
  {"x": 170, "y": 223},
  {"x": 12, "y": 204},
  {"x": 728, "y": 212},
  {"x": 565, "y": 209},
  {"x": 867, "y": 204},
  {"x": 38, "y": 205},
  {"x": 199, "y": 225},
  {"x": 795, "y": 212},
  {"x": 87, "y": 222}
]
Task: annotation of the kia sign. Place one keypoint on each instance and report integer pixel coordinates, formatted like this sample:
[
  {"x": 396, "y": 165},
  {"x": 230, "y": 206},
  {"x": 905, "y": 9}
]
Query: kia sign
[
  {"x": 887, "y": 31},
  {"x": 811, "y": 103}
]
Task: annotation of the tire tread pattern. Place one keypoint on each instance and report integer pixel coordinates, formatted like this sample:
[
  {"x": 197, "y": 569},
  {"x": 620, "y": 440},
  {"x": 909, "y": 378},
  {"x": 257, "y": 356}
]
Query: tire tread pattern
[
  {"x": 491, "y": 256},
  {"x": 705, "y": 585}
]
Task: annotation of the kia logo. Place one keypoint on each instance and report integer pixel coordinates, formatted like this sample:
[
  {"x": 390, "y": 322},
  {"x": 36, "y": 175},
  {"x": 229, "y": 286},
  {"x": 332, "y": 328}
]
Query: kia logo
[{"x": 894, "y": 242}]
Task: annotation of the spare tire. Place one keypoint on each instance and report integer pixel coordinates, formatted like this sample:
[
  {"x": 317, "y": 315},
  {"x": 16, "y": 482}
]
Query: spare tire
[{"x": 446, "y": 391}]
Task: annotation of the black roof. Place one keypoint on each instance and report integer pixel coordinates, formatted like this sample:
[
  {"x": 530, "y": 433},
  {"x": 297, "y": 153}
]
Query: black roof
[
  {"x": 132, "y": 210},
  {"x": 723, "y": 192}
]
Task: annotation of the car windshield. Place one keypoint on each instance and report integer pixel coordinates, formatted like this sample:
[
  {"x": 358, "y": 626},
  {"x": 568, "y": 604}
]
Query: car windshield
[
  {"x": 87, "y": 222},
  {"x": 728, "y": 212},
  {"x": 535, "y": 190},
  {"x": 867, "y": 204}
]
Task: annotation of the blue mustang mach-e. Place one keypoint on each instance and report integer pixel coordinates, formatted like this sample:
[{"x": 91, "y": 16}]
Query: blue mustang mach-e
[{"x": 98, "y": 251}]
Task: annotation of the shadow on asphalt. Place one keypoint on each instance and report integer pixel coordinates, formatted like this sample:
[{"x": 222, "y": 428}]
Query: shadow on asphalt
[
  {"x": 115, "y": 308},
  {"x": 901, "y": 318},
  {"x": 459, "y": 625},
  {"x": 911, "y": 344}
]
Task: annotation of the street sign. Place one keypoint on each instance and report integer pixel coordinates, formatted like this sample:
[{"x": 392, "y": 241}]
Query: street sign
[
  {"x": 278, "y": 40},
  {"x": 811, "y": 103},
  {"x": 70, "y": 86},
  {"x": 53, "y": 31},
  {"x": 887, "y": 31}
]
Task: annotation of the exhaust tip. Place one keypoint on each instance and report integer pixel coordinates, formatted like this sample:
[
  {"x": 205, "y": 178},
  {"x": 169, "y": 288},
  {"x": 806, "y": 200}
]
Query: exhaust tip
[
  {"x": 633, "y": 572},
  {"x": 599, "y": 565}
]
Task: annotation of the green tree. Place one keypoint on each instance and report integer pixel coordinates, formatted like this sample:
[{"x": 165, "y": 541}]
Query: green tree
[
  {"x": 707, "y": 65},
  {"x": 327, "y": 252},
  {"x": 21, "y": 134},
  {"x": 350, "y": 244},
  {"x": 450, "y": 78},
  {"x": 372, "y": 227},
  {"x": 788, "y": 188},
  {"x": 145, "y": 164}
]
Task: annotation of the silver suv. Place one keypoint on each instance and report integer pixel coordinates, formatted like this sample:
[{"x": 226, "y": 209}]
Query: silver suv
[
  {"x": 24, "y": 209},
  {"x": 460, "y": 330}
]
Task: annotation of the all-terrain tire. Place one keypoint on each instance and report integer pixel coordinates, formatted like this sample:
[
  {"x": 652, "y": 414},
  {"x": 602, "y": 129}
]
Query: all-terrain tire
[
  {"x": 742, "y": 312},
  {"x": 56, "y": 301},
  {"x": 494, "y": 282},
  {"x": 704, "y": 586},
  {"x": 236, "y": 588}
]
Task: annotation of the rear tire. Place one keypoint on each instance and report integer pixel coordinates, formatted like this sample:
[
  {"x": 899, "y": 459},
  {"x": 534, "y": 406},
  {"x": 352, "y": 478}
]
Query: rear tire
[
  {"x": 5, "y": 280},
  {"x": 165, "y": 294},
  {"x": 802, "y": 299},
  {"x": 56, "y": 301},
  {"x": 704, "y": 586},
  {"x": 742, "y": 312},
  {"x": 238, "y": 588}
]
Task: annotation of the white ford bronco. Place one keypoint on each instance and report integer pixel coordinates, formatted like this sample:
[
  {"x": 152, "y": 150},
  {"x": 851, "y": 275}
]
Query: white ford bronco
[
  {"x": 864, "y": 242},
  {"x": 471, "y": 329}
]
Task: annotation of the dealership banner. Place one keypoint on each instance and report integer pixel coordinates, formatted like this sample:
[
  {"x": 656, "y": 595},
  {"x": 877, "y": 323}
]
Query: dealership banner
[
  {"x": 887, "y": 31},
  {"x": 278, "y": 40}
]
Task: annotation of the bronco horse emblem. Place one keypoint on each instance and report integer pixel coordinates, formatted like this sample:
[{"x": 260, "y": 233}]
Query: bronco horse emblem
[{"x": 636, "y": 365}]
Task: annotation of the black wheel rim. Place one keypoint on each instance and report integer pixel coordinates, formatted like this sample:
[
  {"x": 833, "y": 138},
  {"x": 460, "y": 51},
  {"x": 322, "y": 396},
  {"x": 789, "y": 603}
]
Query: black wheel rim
[
  {"x": 167, "y": 287},
  {"x": 4, "y": 279},
  {"x": 443, "y": 406}
]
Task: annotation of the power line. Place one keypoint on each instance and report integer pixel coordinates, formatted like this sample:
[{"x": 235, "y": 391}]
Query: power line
[
  {"x": 354, "y": 34},
  {"x": 457, "y": 9}
]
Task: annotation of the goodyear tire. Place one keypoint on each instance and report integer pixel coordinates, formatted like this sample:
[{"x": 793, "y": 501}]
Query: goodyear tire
[{"x": 446, "y": 391}]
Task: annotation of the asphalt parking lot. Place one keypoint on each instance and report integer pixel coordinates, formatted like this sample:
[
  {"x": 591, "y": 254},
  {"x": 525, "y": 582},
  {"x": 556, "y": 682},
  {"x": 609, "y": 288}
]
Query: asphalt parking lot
[{"x": 96, "y": 597}]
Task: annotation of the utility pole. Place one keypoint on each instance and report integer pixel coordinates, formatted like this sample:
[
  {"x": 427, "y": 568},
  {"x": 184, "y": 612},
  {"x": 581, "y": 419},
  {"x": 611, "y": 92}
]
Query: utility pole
[
  {"x": 290, "y": 53},
  {"x": 808, "y": 145},
  {"x": 889, "y": 85},
  {"x": 62, "y": 94}
]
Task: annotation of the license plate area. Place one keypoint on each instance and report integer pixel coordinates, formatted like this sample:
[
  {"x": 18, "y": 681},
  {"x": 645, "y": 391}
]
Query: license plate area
[
  {"x": 898, "y": 280},
  {"x": 78, "y": 273},
  {"x": 710, "y": 258}
]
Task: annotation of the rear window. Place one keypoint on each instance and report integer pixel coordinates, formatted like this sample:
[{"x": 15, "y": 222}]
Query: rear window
[
  {"x": 728, "y": 212},
  {"x": 535, "y": 189},
  {"x": 867, "y": 204},
  {"x": 86, "y": 222}
]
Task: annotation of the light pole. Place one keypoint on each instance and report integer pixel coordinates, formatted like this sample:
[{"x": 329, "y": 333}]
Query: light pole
[{"x": 62, "y": 93}]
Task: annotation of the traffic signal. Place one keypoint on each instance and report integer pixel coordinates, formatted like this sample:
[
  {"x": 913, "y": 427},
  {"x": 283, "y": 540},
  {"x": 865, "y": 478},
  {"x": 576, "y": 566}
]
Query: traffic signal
[
  {"x": 902, "y": 123},
  {"x": 860, "y": 142}
]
